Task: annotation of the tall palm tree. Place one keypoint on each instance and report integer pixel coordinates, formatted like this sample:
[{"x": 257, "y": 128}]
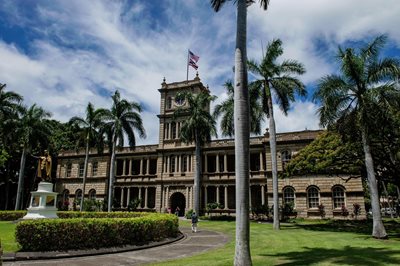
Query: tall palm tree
[
  {"x": 32, "y": 130},
  {"x": 242, "y": 134},
  {"x": 273, "y": 78},
  {"x": 225, "y": 109},
  {"x": 9, "y": 102},
  {"x": 198, "y": 127},
  {"x": 89, "y": 125},
  {"x": 9, "y": 107},
  {"x": 365, "y": 80},
  {"x": 122, "y": 118}
]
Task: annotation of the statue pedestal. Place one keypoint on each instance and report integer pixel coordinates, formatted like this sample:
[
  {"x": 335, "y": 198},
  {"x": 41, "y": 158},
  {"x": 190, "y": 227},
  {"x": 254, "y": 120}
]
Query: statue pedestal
[{"x": 43, "y": 203}]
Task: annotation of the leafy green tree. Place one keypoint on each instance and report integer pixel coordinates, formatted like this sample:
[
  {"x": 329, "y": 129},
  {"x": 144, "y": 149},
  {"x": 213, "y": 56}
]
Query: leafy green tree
[
  {"x": 242, "y": 131},
  {"x": 225, "y": 109},
  {"x": 89, "y": 124},
  {"x": 198, "y": 127},
  {"x": 123, "y": 118},
  {"x": 327, "y": 154},
  {"x": 9, "y": 107},
  {"x": 278, "y": 79},
  {"x": 32, "y": 129},
  {"x": 365, "y": 80}
]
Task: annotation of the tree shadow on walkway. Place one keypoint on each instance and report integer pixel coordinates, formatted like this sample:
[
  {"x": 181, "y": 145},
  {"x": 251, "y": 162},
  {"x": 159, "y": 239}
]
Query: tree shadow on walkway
[{"x": 348, "y": 255}]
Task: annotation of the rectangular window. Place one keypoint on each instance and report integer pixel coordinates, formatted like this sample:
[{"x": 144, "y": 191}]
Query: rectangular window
[
  {"x": 95, "y": 166},
  {"x": 172, "y": 166},
  {"x": 184, "y": 163},
  {"x": 81, "y": 168},
  {"x": 69, "y": 170}
]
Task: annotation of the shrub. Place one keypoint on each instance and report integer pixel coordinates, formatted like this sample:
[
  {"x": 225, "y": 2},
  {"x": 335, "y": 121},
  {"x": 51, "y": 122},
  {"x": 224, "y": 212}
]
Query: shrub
[
  {"x": 321, "y": 210},
  {"x": 11, "y": 215},
  {"x": 356, "y": 209},
  {"x": 189, "y": 213},
  {"x": 92, "y": 205},
  {"x": 72, "y": 214},
  {"x": 85, "y": 233}
]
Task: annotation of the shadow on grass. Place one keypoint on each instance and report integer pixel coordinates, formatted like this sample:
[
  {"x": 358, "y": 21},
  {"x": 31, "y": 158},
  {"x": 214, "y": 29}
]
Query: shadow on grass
[
  {"x": 348, "y": 255},
  {"x": 359, "y": 227}
]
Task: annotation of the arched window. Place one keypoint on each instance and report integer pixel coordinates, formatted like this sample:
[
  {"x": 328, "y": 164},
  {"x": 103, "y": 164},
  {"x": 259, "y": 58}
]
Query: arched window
[
  {"x": 65, "y": 195},
  {"x": 338, "y": 197},
  {"x": 169, "y": 103},
  {"x": 288, "y": 195},
  {"x": 286, "y": 156},
  {"x": 92, "y": 194},
  {"x": 78, "y": 194},
  {"x": 68, "y": 170},
  {"x": 313, "y": 197}
]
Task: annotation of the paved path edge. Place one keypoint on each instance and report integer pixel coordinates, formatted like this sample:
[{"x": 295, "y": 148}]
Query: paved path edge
[{"x": 50, "y": 255}]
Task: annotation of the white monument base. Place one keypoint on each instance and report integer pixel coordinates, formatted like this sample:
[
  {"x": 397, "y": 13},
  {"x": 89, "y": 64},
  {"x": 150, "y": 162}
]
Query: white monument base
[{"x": 43, "y": 203}]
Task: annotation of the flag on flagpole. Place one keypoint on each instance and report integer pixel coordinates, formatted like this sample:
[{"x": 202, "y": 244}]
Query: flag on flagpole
[
  {"x": 194, "y": 57},
  {"x": 193, "y": 64},
  {"x": 193, "y": 60}
]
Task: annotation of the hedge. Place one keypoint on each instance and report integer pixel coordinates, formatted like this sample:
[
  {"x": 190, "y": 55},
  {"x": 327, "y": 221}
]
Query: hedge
[
  {"x": 73, "y": 214},
  {"x": 15, "y": 215},
  {"x": 11, "y": 215},
  {"x": 87, "y": 233}
]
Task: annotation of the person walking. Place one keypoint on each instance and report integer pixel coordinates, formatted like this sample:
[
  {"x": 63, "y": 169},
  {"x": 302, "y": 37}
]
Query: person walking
[{"x": 195, "y": 220}]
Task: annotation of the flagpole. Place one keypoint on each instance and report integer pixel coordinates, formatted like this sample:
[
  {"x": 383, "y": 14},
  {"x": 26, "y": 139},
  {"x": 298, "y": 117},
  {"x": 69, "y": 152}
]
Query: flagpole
[{"x": 187, "y": 66}]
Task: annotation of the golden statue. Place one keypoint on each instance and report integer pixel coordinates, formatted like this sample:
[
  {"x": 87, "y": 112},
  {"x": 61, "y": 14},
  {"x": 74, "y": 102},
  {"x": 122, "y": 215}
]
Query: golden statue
[{"x": 44, "y": 167}]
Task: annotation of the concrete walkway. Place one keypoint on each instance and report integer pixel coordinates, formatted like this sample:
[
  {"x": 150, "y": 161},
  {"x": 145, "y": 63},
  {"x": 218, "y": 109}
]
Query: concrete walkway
[{"x": 192, "y": 244}]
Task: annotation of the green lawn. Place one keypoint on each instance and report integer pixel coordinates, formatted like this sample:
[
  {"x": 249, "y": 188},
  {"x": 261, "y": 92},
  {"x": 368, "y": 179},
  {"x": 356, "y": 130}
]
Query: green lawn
[
  {"x": 7, "y": 237},
  {"x": 301, "y": 243},
  {"x": 305, "y": 243}
]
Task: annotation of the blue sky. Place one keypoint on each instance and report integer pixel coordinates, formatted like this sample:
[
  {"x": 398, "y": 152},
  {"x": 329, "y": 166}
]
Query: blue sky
[{"x": 63, "y": 54}]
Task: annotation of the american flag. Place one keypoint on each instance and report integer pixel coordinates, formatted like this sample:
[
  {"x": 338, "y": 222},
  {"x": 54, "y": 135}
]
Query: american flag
[
  {"x": 193, "y": 64},
  {"x": 193, "y": 57}
]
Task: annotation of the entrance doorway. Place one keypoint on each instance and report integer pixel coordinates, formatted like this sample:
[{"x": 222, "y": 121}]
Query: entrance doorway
[{"x": 178, "y": 200}]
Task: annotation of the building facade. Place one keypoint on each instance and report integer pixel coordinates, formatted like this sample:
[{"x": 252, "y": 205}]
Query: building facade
[{"x": 162, "y": 175}]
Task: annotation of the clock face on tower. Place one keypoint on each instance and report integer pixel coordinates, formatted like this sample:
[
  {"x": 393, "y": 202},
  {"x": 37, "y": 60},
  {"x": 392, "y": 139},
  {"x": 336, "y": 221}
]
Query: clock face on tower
[{"x": 179, "y": 101}]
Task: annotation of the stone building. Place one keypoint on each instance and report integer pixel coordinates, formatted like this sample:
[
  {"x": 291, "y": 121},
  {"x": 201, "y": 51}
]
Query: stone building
[{"x": 161, "y": 175}]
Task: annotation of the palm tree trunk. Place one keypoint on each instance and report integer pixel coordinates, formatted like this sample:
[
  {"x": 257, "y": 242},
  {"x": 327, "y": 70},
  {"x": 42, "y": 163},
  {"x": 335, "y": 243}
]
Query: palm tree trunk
[
  {"x": 85, "y": 167},
  {"x": 197, "y": 183},
  {"x": 242, "y": 138},
  {"x": 378, "y": 229},
  {"x": 272, "y": 144},
  {"x": 112, "y": 176},
  {"x": 20, "y": 179}
]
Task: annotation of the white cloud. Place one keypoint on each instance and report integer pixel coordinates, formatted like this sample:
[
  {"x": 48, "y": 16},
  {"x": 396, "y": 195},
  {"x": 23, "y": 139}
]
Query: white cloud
[{"x": 81, "y": 51}]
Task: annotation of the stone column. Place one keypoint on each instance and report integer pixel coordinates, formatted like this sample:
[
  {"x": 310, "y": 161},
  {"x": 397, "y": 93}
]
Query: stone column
[
  {"x": 128, "y": 196},
  {"x": 130, "y": 168},
  {"x": 141, "y": 167},
  {"x": 187, "y": 199},
  {"x": 225, "y": 163},
  {"x": 140, "y": 193},
  {"x": 170, "y": 130},
  {"x": 217, "y": 188},
  {"x": 168, "y": 163},
  {"x": 225, "y": 197},
  {"x": 166, "y": 197},
  {"x": 262, "y": 194},
  {"x": 205, "y": 196},
  {"x": 148, "y": 166},
  {"x": 123, "y": 166},
  {"x": 179, "y": 159},
  {"x": 261, "y": 162},
  {"x": 205, "y": 163},
  {"x": 145, "y": 197},
  {"x": 122, "y": 197},
  {"x": 250, "y": 196},
  {"x": 217, "y": 162}
]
